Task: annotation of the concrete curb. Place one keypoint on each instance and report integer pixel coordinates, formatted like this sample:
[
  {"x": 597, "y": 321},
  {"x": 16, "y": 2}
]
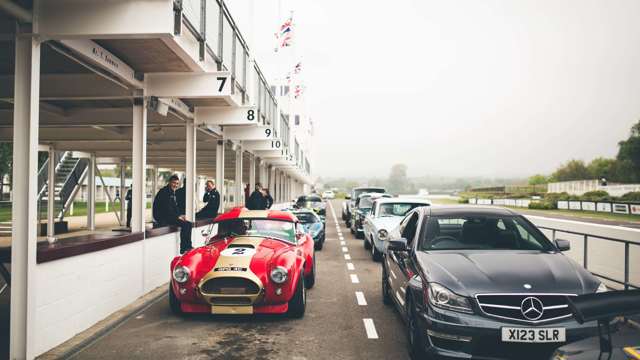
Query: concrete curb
[{"x": 75, "y": 345}]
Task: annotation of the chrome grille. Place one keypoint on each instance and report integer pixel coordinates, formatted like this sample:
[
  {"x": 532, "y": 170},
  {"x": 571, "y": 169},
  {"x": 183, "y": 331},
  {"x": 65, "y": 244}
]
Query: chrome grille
[
  {"x": 230, "y": 286},
  {"x": 514, "y": 306},
  {"x": 230, "y": 300}
]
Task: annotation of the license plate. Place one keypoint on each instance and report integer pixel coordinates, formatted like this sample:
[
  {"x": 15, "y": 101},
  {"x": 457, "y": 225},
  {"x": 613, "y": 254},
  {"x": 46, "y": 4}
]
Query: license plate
[{"x": 533, "y": 335}]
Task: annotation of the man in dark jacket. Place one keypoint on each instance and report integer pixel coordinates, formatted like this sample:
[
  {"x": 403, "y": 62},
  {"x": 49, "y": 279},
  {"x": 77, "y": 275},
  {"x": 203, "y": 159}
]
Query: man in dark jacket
[
  {"x": 166, "y": 212},
  {"x": 181, "y": 197},
  {"x": 257, "y": 200},
  {"x": 212, "y": 199},
  {"x": 128, "y": 198},
  {"x": 268, "y": 198}
]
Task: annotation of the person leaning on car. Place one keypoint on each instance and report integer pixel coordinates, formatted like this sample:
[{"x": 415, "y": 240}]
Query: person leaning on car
[
  {"x": 166, "y": 212},
  {"x": 212, "y": 199}
]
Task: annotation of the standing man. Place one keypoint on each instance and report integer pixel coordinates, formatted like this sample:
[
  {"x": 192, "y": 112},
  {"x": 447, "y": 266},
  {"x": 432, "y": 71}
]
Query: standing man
[
  {"x": 181, "y": 197},
  {"x": 268, "y": 198},
  {"x": 212, "y": 199},
  {"x": 166, "y": 212},
  {"x": 129, "y": 207},
  {"x": 257, "y": 200}
]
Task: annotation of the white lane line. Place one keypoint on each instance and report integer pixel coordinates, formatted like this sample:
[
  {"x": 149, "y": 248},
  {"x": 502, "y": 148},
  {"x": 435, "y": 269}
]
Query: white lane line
[
  {"x": 400, "y": 299},
  {"x": 340, "y": 237},
  {"x": 370, "y": 328},
  {"x": 344, "y": 249},
  {"x": 354, "y": 279},
  {"x": 343, "y": 243},
  {"x": 350, "y": 266},
  {"x": 347, "y": 257},
  {"x": 403, "y": 290},
  {"x": 360, "y": 298}
]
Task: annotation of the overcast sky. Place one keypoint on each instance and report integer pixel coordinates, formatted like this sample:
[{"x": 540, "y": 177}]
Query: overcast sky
[{"x": 459, "y": 87}]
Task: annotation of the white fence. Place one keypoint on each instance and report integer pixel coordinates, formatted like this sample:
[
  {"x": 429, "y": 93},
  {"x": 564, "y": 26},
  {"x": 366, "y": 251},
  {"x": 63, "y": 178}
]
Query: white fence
[{"x": 580, "y": 187}]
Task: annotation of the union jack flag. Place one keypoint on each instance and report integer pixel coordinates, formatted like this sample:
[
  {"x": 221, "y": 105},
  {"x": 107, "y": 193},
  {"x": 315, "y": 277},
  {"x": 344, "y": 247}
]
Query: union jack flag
[
  {"x": 285, "y": 35},
  {"x": 297, "y": 91},
  {"x": 297, "y": 68}
]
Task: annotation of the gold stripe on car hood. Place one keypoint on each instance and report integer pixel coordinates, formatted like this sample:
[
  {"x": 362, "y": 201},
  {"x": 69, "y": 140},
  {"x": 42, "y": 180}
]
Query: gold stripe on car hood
[{"x": 239, "y": 262}]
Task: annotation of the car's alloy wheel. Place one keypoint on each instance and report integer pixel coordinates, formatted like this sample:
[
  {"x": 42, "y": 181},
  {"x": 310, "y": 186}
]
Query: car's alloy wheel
[
  {"x": 416, "y": 349},
  {"x": 174, "y": 303},
  {"x": 310, "y": 280},
  {"x": 375, "y": 254},
  {"x": 386, "y": 293},
  {"x": 298, "y": 302}
]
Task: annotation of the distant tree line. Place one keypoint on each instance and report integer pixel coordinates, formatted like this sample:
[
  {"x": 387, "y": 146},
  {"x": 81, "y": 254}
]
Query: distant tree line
[{"x": 624, "y": 168}]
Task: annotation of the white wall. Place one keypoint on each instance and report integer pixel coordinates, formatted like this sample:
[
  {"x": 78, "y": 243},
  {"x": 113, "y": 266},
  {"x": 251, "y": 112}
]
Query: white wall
[
  {"x": 74, "y": 293},
  {"x": 604, "y": 257}
]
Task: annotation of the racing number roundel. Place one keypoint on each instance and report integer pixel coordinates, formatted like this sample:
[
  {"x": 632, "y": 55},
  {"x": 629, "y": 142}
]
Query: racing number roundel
[{"x": 238, "y": 251}]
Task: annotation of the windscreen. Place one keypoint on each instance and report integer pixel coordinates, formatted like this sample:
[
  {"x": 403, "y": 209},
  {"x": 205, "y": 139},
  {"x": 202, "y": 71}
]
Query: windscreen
[
  {"x": 483, "y": 233},
  {"x": 307, "y": 218},
  {"x": 277, "y": 229},
  {"x": 360, "y": 191},
  {"x": 396, "y": 209},
  {"x": 365, "y": 203}
]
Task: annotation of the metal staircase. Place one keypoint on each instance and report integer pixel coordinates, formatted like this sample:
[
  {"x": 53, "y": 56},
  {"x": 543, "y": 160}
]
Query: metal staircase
[
  {"x": 69, "y": 175},
  {"x": 70, "y": 172}
]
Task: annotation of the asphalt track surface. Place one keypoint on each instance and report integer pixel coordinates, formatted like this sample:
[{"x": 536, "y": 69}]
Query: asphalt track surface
[{"x": 344, "y": 319}]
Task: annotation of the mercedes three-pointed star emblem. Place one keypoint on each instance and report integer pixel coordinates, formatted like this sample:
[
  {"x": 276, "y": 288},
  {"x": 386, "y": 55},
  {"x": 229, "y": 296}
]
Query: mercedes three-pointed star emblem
[{"x": 532, "y": 308}]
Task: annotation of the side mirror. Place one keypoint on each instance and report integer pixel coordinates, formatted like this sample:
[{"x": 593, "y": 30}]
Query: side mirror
[
  {"x": 563, "y": 245},
  {"x": 398, "y": 245}
]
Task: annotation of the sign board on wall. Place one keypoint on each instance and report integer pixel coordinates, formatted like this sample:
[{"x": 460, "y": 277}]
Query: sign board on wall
[
  {"x": 498, "y": 201},
  {"x": 575, "y": 205},
  {"x": 635, "y": 209},
  {"x": 603, "y": 207},
  {"x": 564, "y": 205},
  {"x": 484, "y": 201},
  {"x": 621, "y": 208},
  {"x": 588, "y": 206}
]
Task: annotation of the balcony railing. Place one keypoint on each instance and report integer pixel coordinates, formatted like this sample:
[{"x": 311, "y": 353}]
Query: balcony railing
[{"x": 219, "y": 37}]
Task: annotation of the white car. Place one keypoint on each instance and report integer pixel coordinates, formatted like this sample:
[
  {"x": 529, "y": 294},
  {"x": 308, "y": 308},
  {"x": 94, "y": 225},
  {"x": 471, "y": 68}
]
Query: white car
[
  {"x": 385, "y": 216},
  {"x": 328, "y": 195}
]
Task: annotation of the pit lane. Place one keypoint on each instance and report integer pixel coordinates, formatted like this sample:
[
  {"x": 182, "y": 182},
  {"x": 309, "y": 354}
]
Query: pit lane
[{"x": 344, "y": 319}]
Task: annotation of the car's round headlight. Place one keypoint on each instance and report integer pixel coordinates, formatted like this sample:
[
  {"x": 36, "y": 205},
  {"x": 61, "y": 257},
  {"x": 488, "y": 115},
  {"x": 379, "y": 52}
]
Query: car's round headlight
[
  {"x": 181, "y": 274},
  {"x": 279, "y": 275},
  {"x": 383, "y": 234}
]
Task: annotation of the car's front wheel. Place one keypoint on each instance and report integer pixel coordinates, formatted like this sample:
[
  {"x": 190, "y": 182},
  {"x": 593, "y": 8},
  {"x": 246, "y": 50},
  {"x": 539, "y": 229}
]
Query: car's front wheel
[
  {"x": 375, "y": 254},
  {"x": 386, "y": 291},
  {"x": 318, "y": 245},
  {"x": 367, "y": 244},
  {"x": 310, "y": 280},
  {"x": 174, "y": 303},
  {"x": 298, "y": 302},
  {"x": 415, "y": 344}
]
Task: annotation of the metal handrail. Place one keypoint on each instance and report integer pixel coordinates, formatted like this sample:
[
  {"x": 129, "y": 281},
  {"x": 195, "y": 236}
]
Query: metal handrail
[{"x": 585, "y": 238}]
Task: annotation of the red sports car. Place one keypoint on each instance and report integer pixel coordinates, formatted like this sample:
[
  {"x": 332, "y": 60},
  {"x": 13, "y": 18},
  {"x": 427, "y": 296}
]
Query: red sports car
[{"x": 254, "y": 262}]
